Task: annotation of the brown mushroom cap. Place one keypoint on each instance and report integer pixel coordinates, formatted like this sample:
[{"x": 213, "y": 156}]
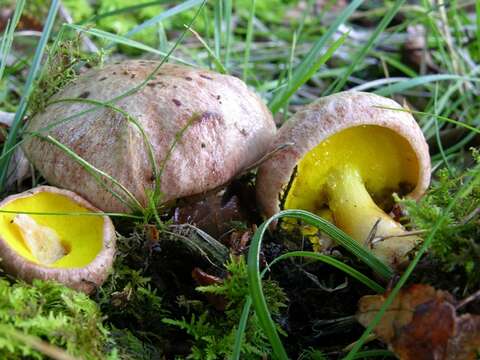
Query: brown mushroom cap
[
  {"x": 230, "y": 129},
  {"x": 328, "y": 116},
  {"x": 83, "y": 278}
]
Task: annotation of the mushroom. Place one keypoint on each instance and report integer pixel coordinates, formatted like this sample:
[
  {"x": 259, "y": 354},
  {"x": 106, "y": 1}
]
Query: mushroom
[
  {"x": 350, "y": 152},
  {"x": 204, "y": 128},
  {"x": 76, "y": 250}
]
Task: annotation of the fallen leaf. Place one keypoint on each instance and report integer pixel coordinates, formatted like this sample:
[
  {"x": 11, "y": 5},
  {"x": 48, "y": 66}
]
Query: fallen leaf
[
  {"x": 203, "y": 279},
  {"x": 422, "y": 324},
  {"x": 214, "y": 214}
]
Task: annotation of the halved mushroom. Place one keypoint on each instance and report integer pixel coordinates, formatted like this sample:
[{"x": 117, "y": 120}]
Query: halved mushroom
[
  {"x": 76, "y": 249},
  {"x": 217, "y": 128},
  {"x": 351, "y": 151}
]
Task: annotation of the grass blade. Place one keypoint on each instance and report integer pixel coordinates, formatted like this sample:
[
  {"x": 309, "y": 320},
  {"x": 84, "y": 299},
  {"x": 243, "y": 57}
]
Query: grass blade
[
  {"x": 292, "y": 87},
  {"x": 216, "y": 61},
  {"x": 228, "y": 30},
  {"x": 184, "y": 6},
  {"x": 242, "y": 324},
  {"x": 300, "y": 73},
  {"x": 248, "y": 40},
  {"x": 358, "y": 57},
  {"x": 32, "y": 74},
  {"x": 254, "y": 277},
  {"x": 7, "y": 38},
  {"x": 118, "y": 39},
  {"x": 335, "y": 263},
  {"x": 405, "y": 84}
]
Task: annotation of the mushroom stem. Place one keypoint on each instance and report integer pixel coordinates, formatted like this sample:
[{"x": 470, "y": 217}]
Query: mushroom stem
[{"x": 357, "y": 214}]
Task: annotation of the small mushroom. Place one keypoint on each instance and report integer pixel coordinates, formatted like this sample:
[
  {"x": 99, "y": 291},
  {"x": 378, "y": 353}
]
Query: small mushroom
[
  {"x": 351, "y": 151},
  {"x": 204, "y": 128},
  {"x": 76, "y": 250}
]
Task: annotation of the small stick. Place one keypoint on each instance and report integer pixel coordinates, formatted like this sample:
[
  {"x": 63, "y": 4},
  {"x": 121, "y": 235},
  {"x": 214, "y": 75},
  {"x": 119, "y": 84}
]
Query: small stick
[
  {"x": 468, "y": 299},
  {"x": 470, "y": 216},
  {"x": 405, "y": 234},
  {"x": 369, "y": 242}
]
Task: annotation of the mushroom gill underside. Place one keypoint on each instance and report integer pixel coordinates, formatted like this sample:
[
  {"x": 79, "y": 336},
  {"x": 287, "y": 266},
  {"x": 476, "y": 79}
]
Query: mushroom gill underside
[{"x": 350, "y": 177}]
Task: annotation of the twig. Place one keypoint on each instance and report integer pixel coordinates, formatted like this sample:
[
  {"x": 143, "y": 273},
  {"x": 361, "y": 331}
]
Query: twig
[
  {"x": 471, "y": 216},
  {"x": 369, "y": 242},
  {"x": 264, "y": 158},
  {"x": 405, "y": 234},
  {"x": 468, "y": 299}
]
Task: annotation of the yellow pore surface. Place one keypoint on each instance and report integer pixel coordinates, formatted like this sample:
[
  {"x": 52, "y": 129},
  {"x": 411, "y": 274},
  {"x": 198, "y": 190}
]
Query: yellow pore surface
[
  {"x": 81, "y": 236},
  {"x": 384, "y": 159}
]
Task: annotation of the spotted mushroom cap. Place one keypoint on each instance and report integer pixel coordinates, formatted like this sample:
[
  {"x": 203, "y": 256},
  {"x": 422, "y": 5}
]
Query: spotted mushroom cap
[
  {"x": 324, "y": 118},
  {"x": 226, "y": 128},
  {"x": 86, "y": 278}
]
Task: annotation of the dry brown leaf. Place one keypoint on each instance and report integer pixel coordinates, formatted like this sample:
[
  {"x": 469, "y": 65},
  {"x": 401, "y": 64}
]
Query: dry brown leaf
[
  {"x": 422, "y": 324},
  {"x": 213, "y": 214}
]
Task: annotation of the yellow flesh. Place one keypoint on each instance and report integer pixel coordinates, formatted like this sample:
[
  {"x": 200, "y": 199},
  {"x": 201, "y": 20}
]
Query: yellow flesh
[
  {"x": 81, "y": 236},
  {"x": 42, "y": 241},
  {"x": 383, "y": 159}
]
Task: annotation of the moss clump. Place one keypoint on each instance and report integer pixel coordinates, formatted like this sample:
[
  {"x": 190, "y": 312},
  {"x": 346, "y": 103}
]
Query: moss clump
[
  {"x": 61, "y": 68},
  {"x": 213, "y": 332},
  {"x": 54, "y": 313},
  {"x": 457, "y": 242}
]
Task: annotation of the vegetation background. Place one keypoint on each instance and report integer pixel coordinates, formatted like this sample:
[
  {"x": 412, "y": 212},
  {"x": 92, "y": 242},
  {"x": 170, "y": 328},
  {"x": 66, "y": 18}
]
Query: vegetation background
[{"x": 425, "y": 54}]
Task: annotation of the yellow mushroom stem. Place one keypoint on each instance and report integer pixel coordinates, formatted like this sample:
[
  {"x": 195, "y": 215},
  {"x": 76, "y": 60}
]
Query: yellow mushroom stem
[
  {"x": 42, "y": 242},
  {"x": 356, "y": 213}
]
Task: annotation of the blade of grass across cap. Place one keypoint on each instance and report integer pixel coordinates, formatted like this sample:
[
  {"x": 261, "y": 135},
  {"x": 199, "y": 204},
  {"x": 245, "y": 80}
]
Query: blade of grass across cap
[
  {"x": 254, "y": 276},
  {"x": 304, "y": 71},
  {"x": 130, "y": 118},
  {"x": 360, "y": 55},
  {"x": 7, "y": 37},
  {"x": 12, "y": 137},
  {"x": 98, "y": 175},
  {"x": 71, "y": 213},
  {"x": 465, "y": 190}
]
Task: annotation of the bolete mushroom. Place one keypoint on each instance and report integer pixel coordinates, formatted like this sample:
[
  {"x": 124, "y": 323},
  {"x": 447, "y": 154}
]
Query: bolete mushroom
[
  {"x": 204, "y": 128},
  {"x": 75, "y": 249},
  {"x": 350, "y": 152}
]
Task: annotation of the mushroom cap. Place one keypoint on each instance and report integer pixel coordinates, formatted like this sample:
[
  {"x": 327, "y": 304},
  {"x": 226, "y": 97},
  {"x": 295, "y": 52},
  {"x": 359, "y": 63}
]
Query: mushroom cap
[
  {"x": 326, "y": 117},
  {"x": 91, "y": 264},
  {"x": 230, "y": 128}
]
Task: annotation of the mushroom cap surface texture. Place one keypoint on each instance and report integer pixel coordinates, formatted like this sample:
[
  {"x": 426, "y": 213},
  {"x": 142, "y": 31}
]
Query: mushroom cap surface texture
[
  {"x": 204, "y": 128},
  {"x": 326, "y": 117},
  {"x": 89, "y": 240}
]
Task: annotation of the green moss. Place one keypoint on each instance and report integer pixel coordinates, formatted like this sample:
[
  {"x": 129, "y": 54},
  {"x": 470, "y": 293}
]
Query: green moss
[
  {"x": 213, "y": 332},
  {"x": 60, "y": 69},
  {"x": 457, "y": 242},
  {"x": 54, "y": 313}
]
